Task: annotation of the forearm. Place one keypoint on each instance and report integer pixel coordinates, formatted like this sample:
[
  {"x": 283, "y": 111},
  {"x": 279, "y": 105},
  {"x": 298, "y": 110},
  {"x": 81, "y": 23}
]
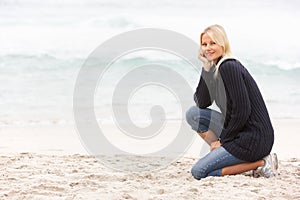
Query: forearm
[{"x": 204, "y": 95}]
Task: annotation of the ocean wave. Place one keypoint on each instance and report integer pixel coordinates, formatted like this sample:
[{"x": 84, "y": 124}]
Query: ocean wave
[
  {"x": 53, "y": 62},
  {"x": 272, "y": 68},
  {"x": 77, "y": 26},
  {"x": 42, "y": 62}
]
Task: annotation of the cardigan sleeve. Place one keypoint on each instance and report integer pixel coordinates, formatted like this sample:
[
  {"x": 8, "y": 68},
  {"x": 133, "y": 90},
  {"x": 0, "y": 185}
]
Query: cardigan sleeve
[
  {"x": 238, "y": 102},
  {"x": 204, "y": 95}
]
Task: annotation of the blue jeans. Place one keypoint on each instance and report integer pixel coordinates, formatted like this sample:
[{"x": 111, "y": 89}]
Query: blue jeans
[
  {"x": 202, "y": 120},
  {"x": 213, "y": 162}
]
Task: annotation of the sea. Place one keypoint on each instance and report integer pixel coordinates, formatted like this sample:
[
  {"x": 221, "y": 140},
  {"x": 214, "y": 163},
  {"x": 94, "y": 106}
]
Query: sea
[{"x": 45, "y": 44}]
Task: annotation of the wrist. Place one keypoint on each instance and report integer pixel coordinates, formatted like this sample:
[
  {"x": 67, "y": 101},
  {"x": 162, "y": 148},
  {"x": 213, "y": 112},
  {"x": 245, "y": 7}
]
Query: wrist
[{"x": 207, "y": 66}]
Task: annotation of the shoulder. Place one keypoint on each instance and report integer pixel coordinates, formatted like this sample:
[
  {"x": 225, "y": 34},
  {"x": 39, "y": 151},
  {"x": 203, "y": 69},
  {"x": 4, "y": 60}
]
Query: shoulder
[
  {"x": 231, "y": 65},
  {"x": 232, "y": 69}
]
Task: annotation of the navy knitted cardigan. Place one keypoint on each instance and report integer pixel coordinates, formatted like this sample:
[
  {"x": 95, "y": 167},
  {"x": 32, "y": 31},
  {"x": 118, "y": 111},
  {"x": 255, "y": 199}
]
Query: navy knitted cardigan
[{"x": 248, "y": 133}]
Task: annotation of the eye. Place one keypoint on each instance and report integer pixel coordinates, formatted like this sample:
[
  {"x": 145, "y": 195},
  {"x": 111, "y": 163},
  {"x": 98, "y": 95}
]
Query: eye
[
  {"x": 212, "y": 43},
  {"x": 204, "y": 44}
]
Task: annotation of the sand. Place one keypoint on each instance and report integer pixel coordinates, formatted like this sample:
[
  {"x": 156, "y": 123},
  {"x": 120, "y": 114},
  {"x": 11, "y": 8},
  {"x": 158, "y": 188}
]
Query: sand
[
  {"x": 49, "y": 162},
  {"x": 37, "y": 176}
]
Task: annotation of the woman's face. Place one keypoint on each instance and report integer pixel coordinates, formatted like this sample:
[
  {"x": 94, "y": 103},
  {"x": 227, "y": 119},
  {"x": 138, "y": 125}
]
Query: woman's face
[{"x": 211, "y": 50}]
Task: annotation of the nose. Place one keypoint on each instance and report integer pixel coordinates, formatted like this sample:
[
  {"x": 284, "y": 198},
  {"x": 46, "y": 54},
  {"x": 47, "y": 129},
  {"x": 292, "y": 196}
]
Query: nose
[{"x": 206, "y": 48}]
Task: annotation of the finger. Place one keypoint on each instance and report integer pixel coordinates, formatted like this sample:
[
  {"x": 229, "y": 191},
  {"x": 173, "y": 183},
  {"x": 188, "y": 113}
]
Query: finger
[{"x": 201, "y": 54}]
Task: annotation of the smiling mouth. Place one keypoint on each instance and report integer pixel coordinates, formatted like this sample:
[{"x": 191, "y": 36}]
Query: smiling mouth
[{"x": 209, "y": 54}]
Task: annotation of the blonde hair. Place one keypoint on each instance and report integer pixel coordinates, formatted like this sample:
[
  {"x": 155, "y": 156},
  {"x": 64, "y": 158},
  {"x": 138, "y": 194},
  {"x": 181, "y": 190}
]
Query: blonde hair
[{"x": 218, "y": 35}]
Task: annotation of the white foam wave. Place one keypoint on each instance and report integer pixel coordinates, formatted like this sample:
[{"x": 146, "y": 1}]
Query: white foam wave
[{"x": 75, "y": 28}]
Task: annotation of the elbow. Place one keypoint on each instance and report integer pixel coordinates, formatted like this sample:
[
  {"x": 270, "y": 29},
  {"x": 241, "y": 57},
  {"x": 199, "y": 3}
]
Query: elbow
[
  {"x": 204, "y": 105},
  {"x": 243, "y": 112},
  {"x": 201, "y": 102}
]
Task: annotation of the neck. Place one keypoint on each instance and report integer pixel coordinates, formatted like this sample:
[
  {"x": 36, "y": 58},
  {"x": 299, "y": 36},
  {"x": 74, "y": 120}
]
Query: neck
[{"x": 217, "y": 60}]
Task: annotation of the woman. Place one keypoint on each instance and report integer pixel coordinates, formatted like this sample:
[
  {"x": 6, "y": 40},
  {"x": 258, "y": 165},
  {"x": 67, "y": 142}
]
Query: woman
[{"x": 241, "y": 136}]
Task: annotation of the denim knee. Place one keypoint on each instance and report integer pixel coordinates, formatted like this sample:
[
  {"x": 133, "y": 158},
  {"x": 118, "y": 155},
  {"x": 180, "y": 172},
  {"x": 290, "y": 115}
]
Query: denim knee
[
  {"x": 198, "y": 173},
  {"x": 191, "y": 114},
  {"x": 198, "y": 119}
]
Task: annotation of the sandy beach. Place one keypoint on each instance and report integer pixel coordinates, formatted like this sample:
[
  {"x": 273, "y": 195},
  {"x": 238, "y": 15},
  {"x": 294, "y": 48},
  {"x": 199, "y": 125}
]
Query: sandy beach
[
  {"x": 38, "y": 176},
  {"x": 54, "y": 165}
]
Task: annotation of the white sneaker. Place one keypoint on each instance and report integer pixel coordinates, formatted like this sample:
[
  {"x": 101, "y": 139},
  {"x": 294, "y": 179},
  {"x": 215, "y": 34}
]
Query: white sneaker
[{"x": 269, "y": 169}]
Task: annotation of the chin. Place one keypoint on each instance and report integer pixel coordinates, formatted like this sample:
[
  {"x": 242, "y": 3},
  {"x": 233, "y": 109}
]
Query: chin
[{"x": 209, "y": 59}]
